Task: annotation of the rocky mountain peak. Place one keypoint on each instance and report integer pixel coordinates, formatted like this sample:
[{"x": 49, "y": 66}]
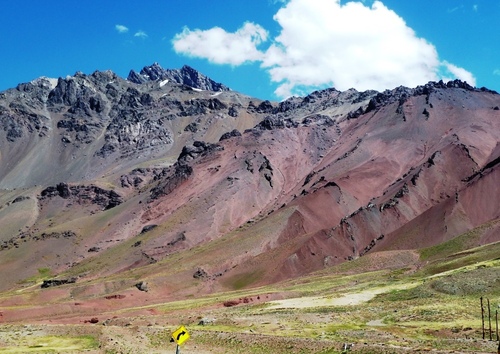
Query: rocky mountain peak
[
  {"x": 153, "y": 72},
  {"x": 185, "y": 76}
]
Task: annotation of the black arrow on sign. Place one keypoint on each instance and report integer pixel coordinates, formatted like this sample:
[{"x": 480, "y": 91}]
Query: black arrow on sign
[{"x": 180, "y": 335}]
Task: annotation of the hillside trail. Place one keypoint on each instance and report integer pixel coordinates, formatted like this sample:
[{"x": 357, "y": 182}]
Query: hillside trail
[{"x": 348, "y": 299}]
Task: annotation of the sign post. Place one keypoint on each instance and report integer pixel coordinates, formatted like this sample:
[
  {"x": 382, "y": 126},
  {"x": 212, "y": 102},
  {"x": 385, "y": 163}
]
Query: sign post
[{"x": 179, "y": 336}]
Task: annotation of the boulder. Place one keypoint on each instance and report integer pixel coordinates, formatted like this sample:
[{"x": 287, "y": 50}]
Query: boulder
[
  {"x": 142, "y": 286},
  {"x": 57, "y": 282},
  {"x": 230, "y": 134}
]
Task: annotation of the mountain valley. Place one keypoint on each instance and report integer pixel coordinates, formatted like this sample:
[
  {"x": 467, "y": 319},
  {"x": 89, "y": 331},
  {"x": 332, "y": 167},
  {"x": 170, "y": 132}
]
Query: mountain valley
[{"x": 163, "y": 197}]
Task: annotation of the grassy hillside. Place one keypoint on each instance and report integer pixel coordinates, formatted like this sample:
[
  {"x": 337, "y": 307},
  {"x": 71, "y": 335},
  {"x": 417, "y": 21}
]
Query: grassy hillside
[{"x": 431, "y": 304}]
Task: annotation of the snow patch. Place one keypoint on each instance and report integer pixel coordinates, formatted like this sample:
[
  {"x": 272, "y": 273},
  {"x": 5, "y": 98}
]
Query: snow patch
[
  {"x": 50, "y": 81},
  {"x": 163, "y": 83},
  {"x": 216, "y": 94},
  {"x": 53, "y": 82},
  {"x": 90, "y": 86},
  {"x": 196, "y": 89}
]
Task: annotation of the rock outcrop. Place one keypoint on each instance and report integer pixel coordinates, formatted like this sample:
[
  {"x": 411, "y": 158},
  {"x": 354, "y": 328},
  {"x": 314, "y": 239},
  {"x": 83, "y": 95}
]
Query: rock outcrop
[
  {"x": 107, "y": 199},
  {"x": 57, "y": 282},
  {"x": 185, "y": 75}
]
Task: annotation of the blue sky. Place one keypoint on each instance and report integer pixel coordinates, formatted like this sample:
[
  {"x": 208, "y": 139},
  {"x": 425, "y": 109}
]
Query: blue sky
[{"x": 270, "y": 49}]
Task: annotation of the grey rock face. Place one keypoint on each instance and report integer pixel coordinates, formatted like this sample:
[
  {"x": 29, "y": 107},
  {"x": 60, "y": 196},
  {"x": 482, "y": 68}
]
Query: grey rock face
[
  {"x": 171, "y": 179},
  {"x": 275, "y": 122},
  {"x": 84, "y": 194},
  {"x": 185, "y": 76},
  {"x": 230, "y": 135},
  {"x": 199, "y": 148}
]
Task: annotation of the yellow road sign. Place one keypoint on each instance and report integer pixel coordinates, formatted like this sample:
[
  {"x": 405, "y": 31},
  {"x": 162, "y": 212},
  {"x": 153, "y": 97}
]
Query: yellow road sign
[{"x": 180, "y": 335}]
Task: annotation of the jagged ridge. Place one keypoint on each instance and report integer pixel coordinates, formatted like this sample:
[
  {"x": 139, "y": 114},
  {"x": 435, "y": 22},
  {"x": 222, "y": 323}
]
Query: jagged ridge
[{"x": 185, "y": 75}]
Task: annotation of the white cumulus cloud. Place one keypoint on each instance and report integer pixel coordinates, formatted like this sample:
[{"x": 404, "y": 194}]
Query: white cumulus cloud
[
  {"x": 459, "y": 73},
  {"x": 324, "y": 42},
  {"x": 221, "y": 47},
  {"x": 141, "y": 34},
  {"x": 121, "y": 29},
  {"x": 352, "y": 45}
]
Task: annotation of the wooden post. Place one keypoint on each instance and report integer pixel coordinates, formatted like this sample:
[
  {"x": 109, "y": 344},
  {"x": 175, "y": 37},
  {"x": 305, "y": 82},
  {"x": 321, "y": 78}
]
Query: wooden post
[
  {"x": 496, "y": 320},
  {"x": 489, "y": 317},
  {"x": 482, "y": 315}
]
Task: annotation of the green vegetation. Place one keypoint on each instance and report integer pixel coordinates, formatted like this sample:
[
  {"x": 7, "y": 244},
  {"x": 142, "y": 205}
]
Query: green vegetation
[
  {"x": 51, "y": 344},
  {"x": 485, "y": 256},
  {"x": 431, "y": 304},
  {"x": 434, "y": 307},
  {"x": 44, "y": 272},
  {"x": 246, "y": 280},
  {"x": 458, "y": 244}
]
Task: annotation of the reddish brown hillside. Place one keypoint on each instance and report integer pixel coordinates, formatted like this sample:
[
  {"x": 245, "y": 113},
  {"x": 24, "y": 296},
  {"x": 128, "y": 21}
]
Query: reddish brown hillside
[{"x": 144, "y": 188}]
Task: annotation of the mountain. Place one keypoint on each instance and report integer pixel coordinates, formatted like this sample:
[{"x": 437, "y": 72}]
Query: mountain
[
  {"x": 71, "y": 128},
  {"x": 185, "y": 75},
  {"x": 107, "y": 182}
]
